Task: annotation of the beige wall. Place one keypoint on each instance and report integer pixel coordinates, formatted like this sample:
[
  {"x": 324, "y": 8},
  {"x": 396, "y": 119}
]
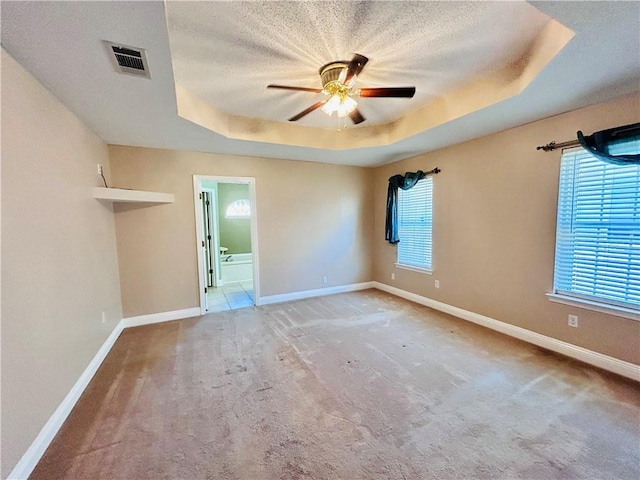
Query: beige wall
[
  {"x": 235, "y": 233},
  {"x": 494, "y": 230},
  {"x": 59, "y": 265},
  {"x": 494, "y": 227},
  {"x": 313, "y": 220}
]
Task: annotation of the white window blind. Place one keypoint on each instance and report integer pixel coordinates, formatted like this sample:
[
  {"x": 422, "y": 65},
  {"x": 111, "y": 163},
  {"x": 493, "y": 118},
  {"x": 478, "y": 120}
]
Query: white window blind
[
  {"x": 598, "y": 231},
  {"x": 414, "y": 224}
]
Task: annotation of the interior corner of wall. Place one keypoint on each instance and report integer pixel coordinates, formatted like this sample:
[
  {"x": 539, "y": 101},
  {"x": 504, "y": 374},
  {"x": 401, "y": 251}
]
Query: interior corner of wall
[{"x": 196, "y": 110}]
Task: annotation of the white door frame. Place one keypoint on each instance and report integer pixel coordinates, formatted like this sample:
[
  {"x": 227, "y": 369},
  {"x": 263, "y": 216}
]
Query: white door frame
[{"x": 197, "y": 189}]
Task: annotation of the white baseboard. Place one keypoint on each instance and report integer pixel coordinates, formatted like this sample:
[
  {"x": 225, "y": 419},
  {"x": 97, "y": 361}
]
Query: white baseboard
[
  {"x": 626, "y": 369},
  {"x": 34, "y": 453},
  {"x": 286, "y": 297},
  {"x": 160, "y": 317}
]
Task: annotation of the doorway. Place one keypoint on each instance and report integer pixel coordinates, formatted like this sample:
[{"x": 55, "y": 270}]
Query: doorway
[{"x": 227, "y": 243}]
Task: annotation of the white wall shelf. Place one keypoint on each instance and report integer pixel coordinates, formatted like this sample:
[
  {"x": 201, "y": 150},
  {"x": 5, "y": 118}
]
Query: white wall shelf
[{"x": 130, "y": 196}]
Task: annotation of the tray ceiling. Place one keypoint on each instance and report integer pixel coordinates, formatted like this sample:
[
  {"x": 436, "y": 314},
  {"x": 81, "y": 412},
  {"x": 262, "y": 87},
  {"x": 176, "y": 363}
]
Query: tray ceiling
[
  {"x": 226, "y": 53},
  {"x": 257, "y": 43}
]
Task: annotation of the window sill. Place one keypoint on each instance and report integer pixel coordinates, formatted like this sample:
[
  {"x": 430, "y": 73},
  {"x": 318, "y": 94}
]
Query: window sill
[
  {"x": 414, "y": 269},
  {"x": 595, "y": 306}
]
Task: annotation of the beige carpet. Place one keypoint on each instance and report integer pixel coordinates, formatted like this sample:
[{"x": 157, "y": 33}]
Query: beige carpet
[{"x": 353, "y": 386}]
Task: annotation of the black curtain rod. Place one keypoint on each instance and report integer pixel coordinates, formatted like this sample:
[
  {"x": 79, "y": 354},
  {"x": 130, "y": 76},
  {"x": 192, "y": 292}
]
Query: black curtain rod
[
  {"x": 624, "y": 131},
  {"x": 551, "y": 146}
]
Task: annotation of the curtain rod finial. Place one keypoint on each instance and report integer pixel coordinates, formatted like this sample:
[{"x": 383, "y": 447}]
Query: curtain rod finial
[{"x": 548, "y": 147}]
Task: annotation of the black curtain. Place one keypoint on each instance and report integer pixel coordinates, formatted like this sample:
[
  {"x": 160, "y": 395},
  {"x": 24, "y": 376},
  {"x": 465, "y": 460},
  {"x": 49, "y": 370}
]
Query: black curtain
[
  {"x": 598, "y": 143},
  {"x": 405, "y": 182}
]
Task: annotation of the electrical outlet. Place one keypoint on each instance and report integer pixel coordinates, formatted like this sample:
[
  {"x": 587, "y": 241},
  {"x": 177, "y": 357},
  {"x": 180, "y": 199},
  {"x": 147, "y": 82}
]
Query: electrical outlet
[
  {"x": 99, "y": 169},
  {"x": 573, "y": 321},
  {"x": 104, "y": 317},
  {"x": 324, "y": 279},
  {"x": 393, "y": 276},
  {"x": 437, "y": 283}
]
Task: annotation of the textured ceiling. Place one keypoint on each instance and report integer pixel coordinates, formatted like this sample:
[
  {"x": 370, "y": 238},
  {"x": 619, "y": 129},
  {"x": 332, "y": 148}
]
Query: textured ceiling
[
  {"x": 61, "y": 44},
  {"x": 228, "y": 52}
]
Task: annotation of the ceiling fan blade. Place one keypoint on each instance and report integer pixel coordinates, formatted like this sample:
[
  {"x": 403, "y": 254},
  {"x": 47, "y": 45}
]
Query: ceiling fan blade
[
  {"x": 308, "y": 110},
  {"x": 354, "y": 68},
  {"x": 397, "y": 92},
  {"x": 302, "y": 89},
  {"x": 357, "y": 117}
]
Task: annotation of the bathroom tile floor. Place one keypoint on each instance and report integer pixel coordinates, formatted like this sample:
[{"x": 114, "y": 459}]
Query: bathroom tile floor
[{"x": 230, "y": 296}]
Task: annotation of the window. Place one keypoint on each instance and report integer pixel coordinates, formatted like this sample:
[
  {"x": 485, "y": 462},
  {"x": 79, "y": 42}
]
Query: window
[
  {"x": 239, "y": 209},
  {"x": 414, "y": 225},
  {"x": 598, "y": 231}
]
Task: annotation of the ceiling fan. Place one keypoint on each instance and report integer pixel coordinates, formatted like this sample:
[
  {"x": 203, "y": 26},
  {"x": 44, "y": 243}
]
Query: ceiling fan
[{"x": 338, "y": 80}]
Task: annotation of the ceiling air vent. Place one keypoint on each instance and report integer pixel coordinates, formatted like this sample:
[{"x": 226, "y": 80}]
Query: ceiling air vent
[{"x": 131, "y": 60}]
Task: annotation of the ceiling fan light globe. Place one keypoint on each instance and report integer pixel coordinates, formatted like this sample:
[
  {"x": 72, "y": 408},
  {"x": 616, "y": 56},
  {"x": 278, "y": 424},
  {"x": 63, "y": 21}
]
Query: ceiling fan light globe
[
  {"x": 331, "y": 105},
  {"x": 341, "y": 106},
  {"x": 347, "y": 106}
]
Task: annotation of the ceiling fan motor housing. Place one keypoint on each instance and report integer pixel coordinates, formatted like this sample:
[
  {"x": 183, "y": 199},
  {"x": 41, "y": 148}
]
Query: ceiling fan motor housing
[{"x": 331, "y": 72}]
